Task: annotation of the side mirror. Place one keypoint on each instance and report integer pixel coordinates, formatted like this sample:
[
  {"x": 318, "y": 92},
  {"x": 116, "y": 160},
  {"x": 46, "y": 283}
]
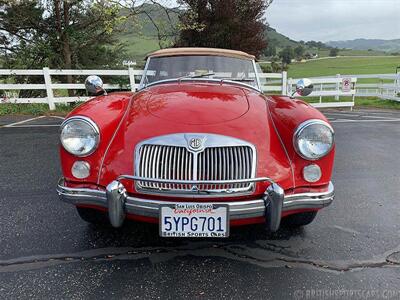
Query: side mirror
[
  {"x": 94, "y": 86},
  {"x": 304, "y": 87}
]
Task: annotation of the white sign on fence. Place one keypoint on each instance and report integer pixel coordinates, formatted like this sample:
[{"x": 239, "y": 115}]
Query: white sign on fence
[{"x": 346, "y": 84}]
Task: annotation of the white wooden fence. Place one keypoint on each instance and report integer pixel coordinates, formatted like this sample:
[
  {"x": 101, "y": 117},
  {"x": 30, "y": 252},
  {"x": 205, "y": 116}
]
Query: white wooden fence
[
  {"x": 382, "y": 88},
  {"x": 277, "y": 83},
  {"x": 49, "y": 85},
  {"x": 385, "y": 86},
  {"x": 328, "y": 87}
]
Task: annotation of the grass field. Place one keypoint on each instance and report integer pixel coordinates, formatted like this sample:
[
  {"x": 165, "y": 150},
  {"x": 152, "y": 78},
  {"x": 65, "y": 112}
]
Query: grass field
[
  {"x": 344, "y": 65},
  {"x": 325, "y": 53},
  {"x": 35, "y": 109},
  {"x": 368, "y": 102}
]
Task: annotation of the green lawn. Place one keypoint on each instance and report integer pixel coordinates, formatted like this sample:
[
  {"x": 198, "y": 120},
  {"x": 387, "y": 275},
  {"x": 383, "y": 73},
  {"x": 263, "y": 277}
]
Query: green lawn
[
  {"x": 325, "y": 53},
  {"x": 344, "y": 65},
  {"x": 370, "y": 102},
  {"x": 35, "y": 109}
]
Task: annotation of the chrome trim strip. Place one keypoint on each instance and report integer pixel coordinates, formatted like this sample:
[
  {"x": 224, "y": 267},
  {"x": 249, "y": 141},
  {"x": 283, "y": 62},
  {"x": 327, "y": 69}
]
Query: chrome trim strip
[
  {"x": 237, "y": 209},
  {"x": 195, "y": 182},
  {"x": 142, "y": 79},
  {"x": 213, "y": 80},
  {"x": 257, "y": 77}
]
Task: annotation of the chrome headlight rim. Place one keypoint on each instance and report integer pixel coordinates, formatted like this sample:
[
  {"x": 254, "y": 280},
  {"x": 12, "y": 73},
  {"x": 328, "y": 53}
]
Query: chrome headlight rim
[
  {"x": 302, "y": 127},
  {"x": 87, "y": 121}
]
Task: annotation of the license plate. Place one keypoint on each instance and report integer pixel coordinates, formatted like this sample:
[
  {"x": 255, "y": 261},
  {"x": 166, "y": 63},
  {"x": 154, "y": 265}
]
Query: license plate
[{"x": 194, "y": 220}]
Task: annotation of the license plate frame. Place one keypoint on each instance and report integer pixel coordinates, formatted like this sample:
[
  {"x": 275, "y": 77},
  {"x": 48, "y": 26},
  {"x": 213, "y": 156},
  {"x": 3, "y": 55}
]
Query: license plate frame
[{"x": 191, "y": 210}]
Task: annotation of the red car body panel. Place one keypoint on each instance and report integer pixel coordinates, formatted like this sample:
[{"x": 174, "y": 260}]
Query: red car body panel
[
  {"x": 252, "y": 125},
  {"x": 106, "y": 112},
  {"x": 268, "y": 122},
  {"x": 287, "y": 114}
]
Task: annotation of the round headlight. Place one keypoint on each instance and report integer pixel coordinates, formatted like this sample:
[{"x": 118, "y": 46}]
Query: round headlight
[
  {"x": 313, "y": 139},
  {"x": 80, "y": 169},
  {"x": 79, "y": 136},
  {"x": 312, "y": 173}
]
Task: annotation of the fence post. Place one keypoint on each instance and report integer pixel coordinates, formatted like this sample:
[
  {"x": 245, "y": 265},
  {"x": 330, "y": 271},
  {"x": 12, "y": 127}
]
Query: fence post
[
  {"x": 131, "y": 79},
  {"x": 284, "y": 83},
  {"x": 289, "y": 87},
  {"x": 49, "y": 89},
  {"x": 320, "y": 97},
  {"x": 337, "y": 87}
]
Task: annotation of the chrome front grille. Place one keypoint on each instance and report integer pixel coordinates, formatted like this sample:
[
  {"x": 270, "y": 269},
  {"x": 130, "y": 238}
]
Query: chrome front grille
[
  {"x": 165, "y": 162},
  {"x": 224, "y": 163},
  {"x": 170, "y": 158}
]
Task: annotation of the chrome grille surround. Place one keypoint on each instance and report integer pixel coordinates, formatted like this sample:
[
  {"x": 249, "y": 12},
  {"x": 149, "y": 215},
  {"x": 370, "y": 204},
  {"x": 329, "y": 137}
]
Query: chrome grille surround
[{"x": 172, "y": 157}]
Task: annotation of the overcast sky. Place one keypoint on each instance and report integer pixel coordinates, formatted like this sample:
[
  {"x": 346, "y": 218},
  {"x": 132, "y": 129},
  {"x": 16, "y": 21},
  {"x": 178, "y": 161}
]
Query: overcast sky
[{"x": 327, "y": 20}]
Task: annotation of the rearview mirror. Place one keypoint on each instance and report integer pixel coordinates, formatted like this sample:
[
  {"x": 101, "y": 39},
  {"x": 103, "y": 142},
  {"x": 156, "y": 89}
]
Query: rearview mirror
[
  {"x": 304, "y": 87},
  {"x": 94, "y": 86}
]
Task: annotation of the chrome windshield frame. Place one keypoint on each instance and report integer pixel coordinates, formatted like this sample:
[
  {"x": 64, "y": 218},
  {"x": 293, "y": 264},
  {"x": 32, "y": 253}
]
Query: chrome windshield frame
[{"x": 142, "y": 84}]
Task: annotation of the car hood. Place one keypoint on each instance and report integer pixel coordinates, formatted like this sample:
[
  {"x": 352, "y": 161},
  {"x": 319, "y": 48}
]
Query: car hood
[
  {"x": 232, "y": 111},
  {"x": 198, "y": 104}
]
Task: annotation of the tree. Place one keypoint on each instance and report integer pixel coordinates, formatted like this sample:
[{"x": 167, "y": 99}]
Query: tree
[
  {"x": 318, "y": 45},
  {"x": 270, "y": 51},
  {"x": 59, "y": 34},
  {"x": 276, "y": 65},
  {"x": 231, "y": 24},
  {"x": 299, "y": 52},
  {"x": 161, "y": 16},
  {"x": 334, "y": 52},
  {"x": 286, "y": 55}
]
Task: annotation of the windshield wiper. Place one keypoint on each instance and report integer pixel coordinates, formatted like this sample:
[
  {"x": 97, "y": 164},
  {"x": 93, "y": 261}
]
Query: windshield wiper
[
  {"x": 240, "y": 79},
  {"x": 196, "y": 76}
]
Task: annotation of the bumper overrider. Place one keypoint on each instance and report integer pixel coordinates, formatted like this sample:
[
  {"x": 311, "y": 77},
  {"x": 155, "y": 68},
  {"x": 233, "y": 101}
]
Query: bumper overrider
[{"x": 270, "y": 205}]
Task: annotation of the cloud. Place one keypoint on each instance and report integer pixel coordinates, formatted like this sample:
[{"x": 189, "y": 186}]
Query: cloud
[{"x": 327, "y": 20}]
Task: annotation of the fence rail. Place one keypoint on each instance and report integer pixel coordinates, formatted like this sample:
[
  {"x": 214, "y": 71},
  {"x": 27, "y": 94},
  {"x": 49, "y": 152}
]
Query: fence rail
[
  {"x": 328, "y": 87},
  {"x": 49, "y": 86},
  {"x": 331, "y": 86},
  {"x": 325, "y": 86}
]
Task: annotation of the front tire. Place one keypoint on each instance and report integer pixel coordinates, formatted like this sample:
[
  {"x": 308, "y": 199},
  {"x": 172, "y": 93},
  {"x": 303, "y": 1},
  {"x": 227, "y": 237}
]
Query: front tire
[
  {"x": 93, "y": 216},
  {"x": 298, "y": 220}
]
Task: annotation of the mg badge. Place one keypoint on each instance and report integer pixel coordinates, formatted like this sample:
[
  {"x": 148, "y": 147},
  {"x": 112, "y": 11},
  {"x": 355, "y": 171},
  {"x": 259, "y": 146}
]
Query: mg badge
[{"x": 195, "y": 143}]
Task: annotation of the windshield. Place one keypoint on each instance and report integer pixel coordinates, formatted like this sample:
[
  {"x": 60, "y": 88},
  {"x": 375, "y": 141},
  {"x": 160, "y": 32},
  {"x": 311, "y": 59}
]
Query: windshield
[{"x": 201, "y": 67}]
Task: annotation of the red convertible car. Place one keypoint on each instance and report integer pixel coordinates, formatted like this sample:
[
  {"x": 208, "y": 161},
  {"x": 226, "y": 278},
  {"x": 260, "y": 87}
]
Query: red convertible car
[{"x": 197, "y": 149}]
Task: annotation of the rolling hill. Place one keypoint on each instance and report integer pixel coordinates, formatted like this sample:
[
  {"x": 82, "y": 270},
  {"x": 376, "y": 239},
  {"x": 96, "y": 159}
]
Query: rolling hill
[
  {"x": 366, "y": 44},
  {"x": 281, "y": 40},
  {"x": 140, "y": 37}
]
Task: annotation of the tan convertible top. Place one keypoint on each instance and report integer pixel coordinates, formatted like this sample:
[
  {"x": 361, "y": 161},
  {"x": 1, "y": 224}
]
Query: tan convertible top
[{"x": 200, "y": 51}]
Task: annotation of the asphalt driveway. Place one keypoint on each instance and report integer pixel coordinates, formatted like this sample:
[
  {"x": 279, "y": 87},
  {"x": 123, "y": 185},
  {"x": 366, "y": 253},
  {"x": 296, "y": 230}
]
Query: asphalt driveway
[{"x": 351, "y": 250}]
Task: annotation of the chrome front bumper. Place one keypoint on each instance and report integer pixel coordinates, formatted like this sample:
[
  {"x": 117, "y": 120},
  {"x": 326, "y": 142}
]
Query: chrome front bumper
[{"x": 270, "y": 205}]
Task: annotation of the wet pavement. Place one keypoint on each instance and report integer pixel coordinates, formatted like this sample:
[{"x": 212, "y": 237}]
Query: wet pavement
[{"x": 351, "y": 250}]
